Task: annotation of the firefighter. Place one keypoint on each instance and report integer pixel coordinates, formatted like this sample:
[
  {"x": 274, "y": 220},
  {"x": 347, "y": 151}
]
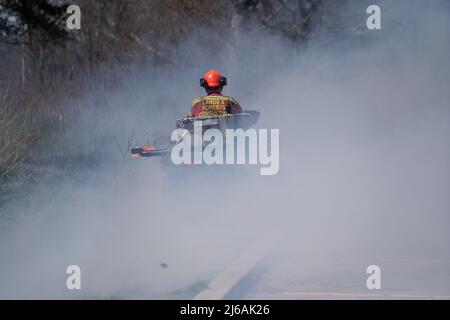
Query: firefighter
[{"x": 214, "y": 103}]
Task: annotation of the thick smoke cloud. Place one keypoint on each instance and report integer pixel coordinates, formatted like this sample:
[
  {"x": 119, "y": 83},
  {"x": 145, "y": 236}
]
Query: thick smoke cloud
[{"x": 364, "y": 168}]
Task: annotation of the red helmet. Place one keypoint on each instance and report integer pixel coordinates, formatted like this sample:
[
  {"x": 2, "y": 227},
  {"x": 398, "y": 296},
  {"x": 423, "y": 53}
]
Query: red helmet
[{"x": 213, "y": 78}]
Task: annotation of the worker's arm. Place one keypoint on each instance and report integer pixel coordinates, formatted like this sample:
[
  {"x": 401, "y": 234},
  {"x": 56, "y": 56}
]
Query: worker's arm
[
  {"x": 195, "y": 109},
  {"x": 234, "y": 106}
]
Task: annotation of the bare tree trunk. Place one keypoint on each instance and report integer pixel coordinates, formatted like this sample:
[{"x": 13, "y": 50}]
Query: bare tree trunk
[{"x": 23, "y": 66}]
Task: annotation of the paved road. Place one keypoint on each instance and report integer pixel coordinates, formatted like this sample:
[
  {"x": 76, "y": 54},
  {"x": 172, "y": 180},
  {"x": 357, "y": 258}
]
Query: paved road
[{"x": 292, "y": 276}]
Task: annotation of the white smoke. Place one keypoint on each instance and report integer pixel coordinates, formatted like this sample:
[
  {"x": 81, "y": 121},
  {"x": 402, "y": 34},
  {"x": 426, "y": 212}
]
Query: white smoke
[{"x": 364, "y": 169}]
